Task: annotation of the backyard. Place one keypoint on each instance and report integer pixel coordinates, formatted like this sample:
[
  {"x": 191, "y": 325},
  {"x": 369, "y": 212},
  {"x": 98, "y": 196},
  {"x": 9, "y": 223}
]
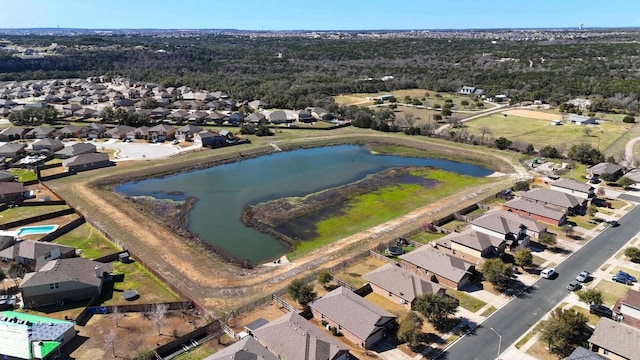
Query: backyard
[{"x": 89, "y": 241}]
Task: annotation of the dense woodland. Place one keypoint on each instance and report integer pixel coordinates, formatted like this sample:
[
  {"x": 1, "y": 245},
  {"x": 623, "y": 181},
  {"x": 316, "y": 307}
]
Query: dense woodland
[{"x": 309, "y": 71}]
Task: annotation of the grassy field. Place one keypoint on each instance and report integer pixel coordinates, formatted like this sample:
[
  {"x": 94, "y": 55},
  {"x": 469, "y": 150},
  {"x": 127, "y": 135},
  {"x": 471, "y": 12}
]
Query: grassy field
[
  {"x": 23, "y": 175},
  {"x": 541, "y": 133},
  {"x": 371, "y": 209},
  {"x": 431, "y": 97},
  {"x": 89, "y": 241},
  {"x": 25, "y": 212}
]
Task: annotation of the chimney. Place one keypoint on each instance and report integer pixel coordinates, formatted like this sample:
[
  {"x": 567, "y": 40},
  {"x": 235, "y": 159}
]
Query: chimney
[{"x": 98, "y": 273}]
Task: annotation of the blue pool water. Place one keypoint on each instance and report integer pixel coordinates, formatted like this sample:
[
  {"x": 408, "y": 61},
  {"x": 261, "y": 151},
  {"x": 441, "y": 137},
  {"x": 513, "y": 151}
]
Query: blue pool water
[{"x": 30, "y": 230}]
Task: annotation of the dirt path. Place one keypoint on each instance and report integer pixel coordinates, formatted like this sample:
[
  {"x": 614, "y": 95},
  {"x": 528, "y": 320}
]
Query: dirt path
[{"x": 630, "y": 159}]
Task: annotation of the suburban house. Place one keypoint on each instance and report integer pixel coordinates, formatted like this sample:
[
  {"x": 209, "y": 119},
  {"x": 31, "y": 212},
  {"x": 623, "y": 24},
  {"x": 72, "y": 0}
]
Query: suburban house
[
  {"x": 236, "y": 118},
  {"x": 574, "y": 188},
  {"x": 581, "y": 119},
  {"x": 278, "y": 117},
  {"x": 257, "y": 104},
  {"x": 11, "y": 191},
  {"x": 178, "y": 115},
  {"x": 6, "y": 176},
  {"x": 536, "y": 211},
  {"x": 13, "y": 151},
  {"x": 629, "y": 307},
  {"x": 472, "y": 246},
  {"x": 503, "y": 224},
  {"x": 256, "y": 118},
  {"x": 12, "y": 133},
  {"x": 186, "y": 132},
  {"x": 63, "y": 280},
  {"x": 162, "y": 132},
  {"x": 615, "y": 340},
  {"x": 470, "y": 90},
  {"x": 303, "y": 116},
  {"x": 119, "y": 132},
  {"x": 197, "y": 117},
  {"x": 581, "y": 353},
  {"x": 207, "y": 138},
  {"x": 48, "y": 145},
  {"x": 319, "y": 113},
  {"x": 399, "y": 285},
  {"x": 633, "y": 175},
  {"x": 75, "y": 149},
  {"x": 292, "y": 337},
  {"x": 216, "y": 117},
  {"x": 40, "y": 132},
  {"x": 95, "y": 130},
  {"x": 434, "y": 265},
  {"x": 27, "y": 336},
  {"x": 605, "y": 168},
  {"x": 33, "y": 254},
  {"x": 360, "y": 321},
  {"x": 551, "y": 198},
  {"x": 72, "y": 131},
  {"x": 247, "y": 348},
  {"x": 88, "y": 161}
]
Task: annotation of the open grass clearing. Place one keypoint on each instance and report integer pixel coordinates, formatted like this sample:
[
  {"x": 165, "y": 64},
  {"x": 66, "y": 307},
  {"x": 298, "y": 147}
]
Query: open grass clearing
[
  {"x": 25, "y": 212},
  {"x": 353, "y": 273},
  {"x": 466, "y": 301},
  {"x": 611, "y": 291},
  {"x": 91, "y": 243},
  {"x": 541, "y": 133},
  {"x": 386, "y": 304},
  {"x": 368, "y": 210}
]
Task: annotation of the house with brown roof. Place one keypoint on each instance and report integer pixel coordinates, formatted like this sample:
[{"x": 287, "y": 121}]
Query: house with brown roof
[
  {"x": 32, "y": 254},
  {"x": 256, "y": 118},
  {"x": 536, "y": 211},
  {"x": 87, "y": 161},
  {"x": 12, "y": 133},
  {"x": 11, "y": 191},
  {"x": 119, "y": 132},
  {"x": 560, "y": 200},
  {"x": 162, "y": 132},
  {"x": 615, "y": 340},
  {"x": 574, "y": 188},
  {"x": 75, "y": 149},
  {"x": 186, "y": 132},
  {"x": 64, "y": 280},
  {"x": 400, "y": 286},
  {"x": 208, "y": 139},
  {"x": 245, "y": 349},
  {"x": 629, "y": 307},
  {"x": 292, "y": 337},
  {"x": 72, "y": 131},
  {"x": 360, "y": 321},
  {"x": 503, "y": 223},
  {"x": 434, "y": 265},
  {"x": 472, "y": 246}
]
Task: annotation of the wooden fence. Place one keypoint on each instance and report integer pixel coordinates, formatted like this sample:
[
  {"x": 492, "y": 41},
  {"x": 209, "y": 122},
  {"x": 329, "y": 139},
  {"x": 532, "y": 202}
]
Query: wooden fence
[
  {"x": 33, "y": 219},
  {"x": 63, "y": 229},
  {"x": 284, "y": 304},
  {"x": 381, "y": 257}
]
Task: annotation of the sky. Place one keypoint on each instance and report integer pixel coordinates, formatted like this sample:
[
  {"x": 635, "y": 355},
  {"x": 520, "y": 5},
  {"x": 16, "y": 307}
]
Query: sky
[{"x": 317, "y": 15}]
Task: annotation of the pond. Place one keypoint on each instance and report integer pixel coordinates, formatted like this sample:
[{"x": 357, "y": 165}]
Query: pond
[{"x": 222, "y": 191}]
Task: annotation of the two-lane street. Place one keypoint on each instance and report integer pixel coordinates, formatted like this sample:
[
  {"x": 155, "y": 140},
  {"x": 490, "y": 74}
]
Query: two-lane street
[{"x": 517, "y": 316}]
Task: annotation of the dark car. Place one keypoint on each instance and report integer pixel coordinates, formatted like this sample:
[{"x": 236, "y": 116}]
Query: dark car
[
  {"x": 613, "y": 223},
  {"x": 601, "y": 310},
  {"x": 626, "y": 275},
  {"x": 574, "y": 285},
  {"x": 622, "y": 279}
]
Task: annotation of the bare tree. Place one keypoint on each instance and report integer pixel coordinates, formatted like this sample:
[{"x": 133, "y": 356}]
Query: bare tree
[
  {"x": 410, "y": 119},
  {"x": 158, "y": 316},
  {"x": 484, "y": 131},
  {"x": 110, "y": 341},
  {"x": 135, "y": 343},
  {"x": 116, "y": 314}
]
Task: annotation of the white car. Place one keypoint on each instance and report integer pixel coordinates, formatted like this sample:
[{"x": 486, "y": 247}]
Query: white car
[
  {"x": 548, "y": 273},
  {"x": 583, "y": 276}
]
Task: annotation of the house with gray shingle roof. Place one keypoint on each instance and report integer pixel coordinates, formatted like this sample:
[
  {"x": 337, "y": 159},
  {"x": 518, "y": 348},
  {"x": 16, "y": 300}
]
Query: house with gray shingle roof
[
  {"x": 555, "y": 199},
  {"x": 581, "y": 119},
  {"x": 536, "y": 211},
  {"x": 605, "y": 168},
  {"x": 12, "y": 133},
  {"x": 75, "y": 149},
  {"x": 162, "y": 132},
  {"x": 245, "y": 349},
  {"x": 11, "y": 191},
  {"x": 87, "y": 161},
  {"x": 581, "y": 353},
  {"x": 48, "y": 145},
  {"x": 6, "y": 176},
  {"x": 292, "y": 337},
  {"x": 472, "y": 245},
  {"x": 359, "y": 320},
  {"x": 40, "y": 132},
  {"x": 504, "y": 223},
  {"x": 575, "y": 188},
  {"x": 11, "y": 150},
  {"x": 615, "y": 340},
  {"x": 400, "y": 286},
  {"x": 63, "y": 280},
  {"x": 33, "y": 254},
  {"x": 186, "y": 132},
  {"x": 434, "y": 265}
]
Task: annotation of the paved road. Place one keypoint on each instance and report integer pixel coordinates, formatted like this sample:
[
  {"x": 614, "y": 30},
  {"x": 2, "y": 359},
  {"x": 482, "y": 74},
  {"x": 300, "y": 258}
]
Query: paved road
[{"x": 515, "y": 318}]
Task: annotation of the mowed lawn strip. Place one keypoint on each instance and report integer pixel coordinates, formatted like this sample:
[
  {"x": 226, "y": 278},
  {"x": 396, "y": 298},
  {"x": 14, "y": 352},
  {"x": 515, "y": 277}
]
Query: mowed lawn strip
[
  {"x": 91, "y": 243},
  {"x": 368, "y": 210},
  {"x": 542, "y": 133},
  {"x": 150, "y": 288},
  {"x": 25, "y": 212}
]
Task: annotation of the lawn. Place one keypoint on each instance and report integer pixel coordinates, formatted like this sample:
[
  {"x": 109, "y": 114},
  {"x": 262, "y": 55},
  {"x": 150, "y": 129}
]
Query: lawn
[
  {"x": 23, "y": 175},
  {"x": 386, "y": 304},
  {"x": 466, "y": 301},
  {"x": 593, "y": 319},
  {"x": 490, "y": 310},
  {"x": 352, "y": 274},
  {"x": 455, "y": 225},
  {"x": 426, "y": 237},
  {"x": 368, "y": 210},
  {"x": 133, "y": 276},
  {"x": 89, "y": 241},
  {"x": 541, "y": 133},
  {"x": 611, "y": 291},
  {"x": 25, "y": 212},
  {"x": 208, "y": 348}
]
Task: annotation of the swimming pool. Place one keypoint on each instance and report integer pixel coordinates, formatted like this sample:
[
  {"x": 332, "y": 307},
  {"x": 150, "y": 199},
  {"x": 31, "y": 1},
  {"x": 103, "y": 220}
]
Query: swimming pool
[{"x": 31, "y": 230}]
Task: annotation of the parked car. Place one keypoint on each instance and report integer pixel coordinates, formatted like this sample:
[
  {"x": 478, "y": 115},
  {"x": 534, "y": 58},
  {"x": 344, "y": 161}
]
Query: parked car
[
  {"x": 583, "y": 276},
  {"x": 627, "y": 275},
  {"x": 613, "y": 223},
  {"x": 622, "y": 279},
  {"x": 574, "y": 285},
  {"x": 601, "y": 310},
  {"x": 548, "y": 273}
]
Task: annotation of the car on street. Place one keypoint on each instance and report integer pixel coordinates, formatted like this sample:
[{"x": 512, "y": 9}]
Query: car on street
[
  {"x": 622, "y": 279},
  {"x": 627, "y": 275},
  {"x": 548, "y": 273},
  {"x": 613, "y": 223},
  {"x": 583, "y": 276},
  {"x": 601, "y": 310},
  {"x": 574, "y": 285}
]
